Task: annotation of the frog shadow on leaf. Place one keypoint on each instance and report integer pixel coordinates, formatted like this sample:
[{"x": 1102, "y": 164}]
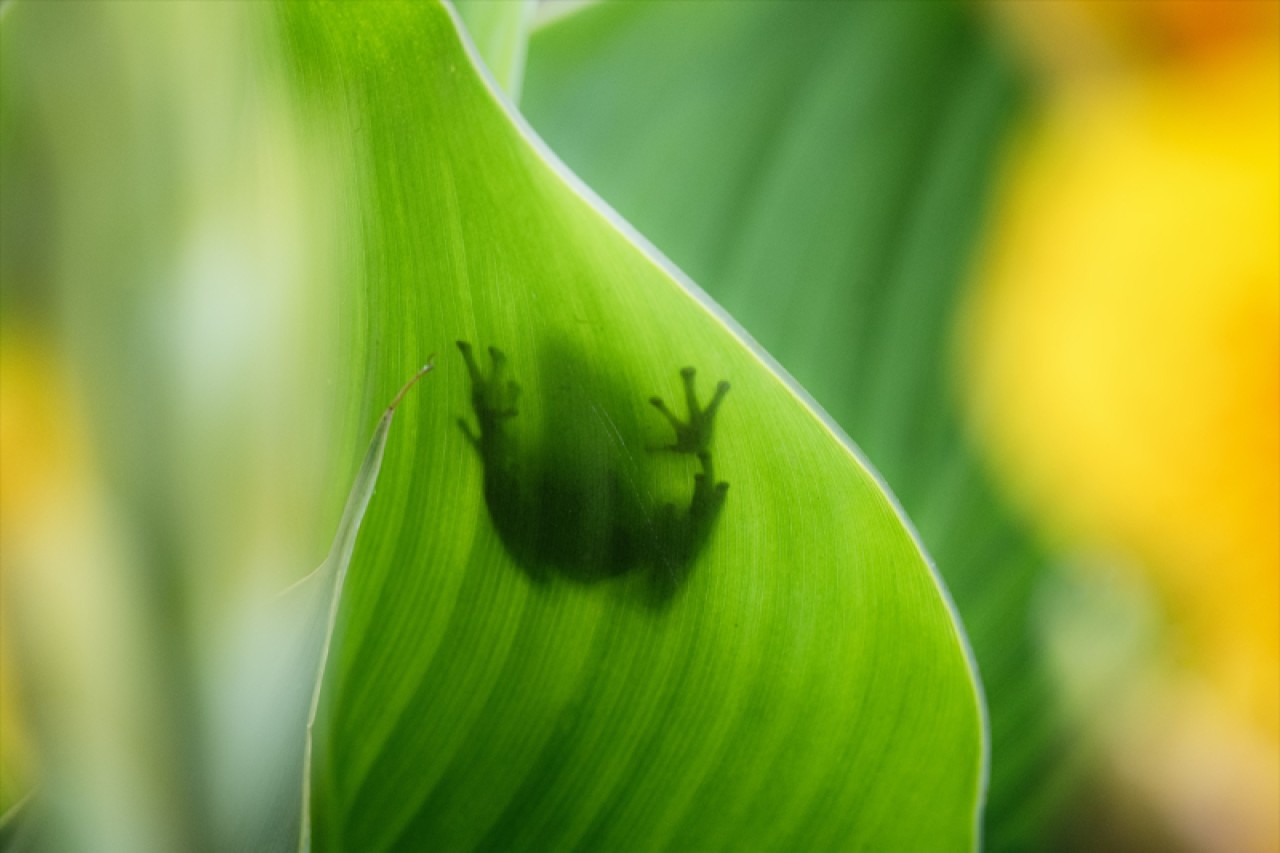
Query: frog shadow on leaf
[{"x": 577, "y": 500}]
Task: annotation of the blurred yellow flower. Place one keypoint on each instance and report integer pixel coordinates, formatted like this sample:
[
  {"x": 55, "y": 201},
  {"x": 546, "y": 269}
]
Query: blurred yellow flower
[
  {"x": 40, "y": 461},
  {"x": 1125, "y": 348},
  {"x": 74, "y": 612}
]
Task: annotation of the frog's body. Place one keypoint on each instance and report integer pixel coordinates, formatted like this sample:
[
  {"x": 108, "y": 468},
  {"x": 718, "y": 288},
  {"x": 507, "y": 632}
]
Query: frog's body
[{"x": 579, "y": 503}]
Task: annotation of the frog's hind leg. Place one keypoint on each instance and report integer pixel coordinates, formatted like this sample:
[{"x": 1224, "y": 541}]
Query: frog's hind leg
[{"x": 708, "y": 493}]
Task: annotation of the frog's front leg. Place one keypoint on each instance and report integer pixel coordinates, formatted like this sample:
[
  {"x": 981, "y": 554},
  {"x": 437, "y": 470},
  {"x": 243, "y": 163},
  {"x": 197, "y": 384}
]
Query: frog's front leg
[
  {"x": 681, "y": 536},
  {"x": 511, "y": 488},
  {"x": 694, "y": 436},
  {"x": 493, "y": 398}
]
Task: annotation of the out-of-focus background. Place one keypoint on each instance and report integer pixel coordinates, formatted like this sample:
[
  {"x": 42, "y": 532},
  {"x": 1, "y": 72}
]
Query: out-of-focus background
[
  {"x": 1123, "y": 364},
  {"x": 1119, "y": 361}
]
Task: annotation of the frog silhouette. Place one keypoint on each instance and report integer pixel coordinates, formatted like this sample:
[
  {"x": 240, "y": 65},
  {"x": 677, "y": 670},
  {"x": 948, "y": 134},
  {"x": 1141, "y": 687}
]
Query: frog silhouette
[{"x": 576, "y": 498}]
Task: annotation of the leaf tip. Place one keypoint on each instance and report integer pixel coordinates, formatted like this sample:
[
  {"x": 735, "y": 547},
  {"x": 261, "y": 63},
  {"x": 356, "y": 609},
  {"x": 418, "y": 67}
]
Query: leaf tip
[{"x": 413, "y": 380}]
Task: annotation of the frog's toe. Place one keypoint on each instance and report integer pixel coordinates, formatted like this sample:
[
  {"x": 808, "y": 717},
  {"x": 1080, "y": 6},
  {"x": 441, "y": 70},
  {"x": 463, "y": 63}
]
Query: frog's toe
[
  {"x": 689, "y": 375},
  {"x": 722, "y": 388},
  {"x": 661, "y": 406},
  {"x": 472, "y": 368}
]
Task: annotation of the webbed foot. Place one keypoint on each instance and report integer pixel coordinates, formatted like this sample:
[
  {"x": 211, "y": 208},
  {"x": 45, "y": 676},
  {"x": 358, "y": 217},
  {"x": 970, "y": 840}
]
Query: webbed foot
[
  {"x": 693, "y": 435},
  {"x": 493, "y": 397}
]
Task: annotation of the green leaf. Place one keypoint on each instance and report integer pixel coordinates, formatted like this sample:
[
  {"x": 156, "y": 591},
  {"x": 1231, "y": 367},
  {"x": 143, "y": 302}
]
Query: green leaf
[
  {"x": 822, "y": 168},
  {"x": 790, "y": 678}
]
